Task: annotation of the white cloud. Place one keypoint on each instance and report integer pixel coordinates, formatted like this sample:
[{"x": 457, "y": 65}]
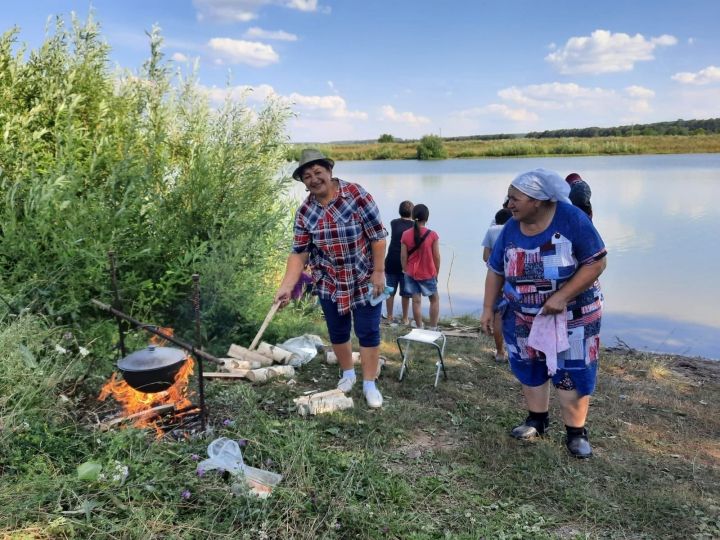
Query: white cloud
[
  {"x": 708, "y": 75},
  {"x": 327, "y": 107},
  {"x": 179, "y": 57},
  {"x": 238, "y": 51},
  {"x": 500, "y": 111},
  {"x": 639, "y": 92},
  {"x": 243, "y": 92},
  {"x": 691, "y": 41},
  {"x": 388, "y": 112},
  {"x": 692, "y": 102},
  {"x": 330, "y": 106},
  {"x": 233, "y": 11},
  {"x": 554, "y": 95},
  {"x": 605, "y": 52},
  {"x": 278, "y": 35},
  {"x": 302, "y": 5}
]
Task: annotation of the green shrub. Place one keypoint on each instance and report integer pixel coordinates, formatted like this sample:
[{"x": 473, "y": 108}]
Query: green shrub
[
  {"x": 431, "y": 147},
  {"x": 386, "y": 138},
  {"x": 143, "y": 165},
  {"x": 386, "y": 151}
]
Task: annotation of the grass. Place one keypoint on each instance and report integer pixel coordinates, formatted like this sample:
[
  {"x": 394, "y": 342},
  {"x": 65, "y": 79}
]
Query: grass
[
  {"x": 433, "y": 463},
  {"x": 639, "y": 144}
]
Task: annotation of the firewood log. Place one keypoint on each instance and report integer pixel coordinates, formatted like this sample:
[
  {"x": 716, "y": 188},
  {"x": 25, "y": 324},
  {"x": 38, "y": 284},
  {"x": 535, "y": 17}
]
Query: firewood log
[
  {"x": 331, "y": 357},
  {"x": 278, "y": 354},
  {"x": 265, "y": 374},
  {"x": 232, "y": 364},
  {"x": 241, "y": 353}
]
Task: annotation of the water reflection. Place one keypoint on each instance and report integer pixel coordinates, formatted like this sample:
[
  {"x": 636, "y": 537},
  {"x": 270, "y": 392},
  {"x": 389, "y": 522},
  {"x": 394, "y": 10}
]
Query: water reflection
[{"x": 658, "y": 215}]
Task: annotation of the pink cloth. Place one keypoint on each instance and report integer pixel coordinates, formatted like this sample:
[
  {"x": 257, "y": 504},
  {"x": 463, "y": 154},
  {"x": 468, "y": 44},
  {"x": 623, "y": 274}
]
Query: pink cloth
[{"x": 548, "y": 334}]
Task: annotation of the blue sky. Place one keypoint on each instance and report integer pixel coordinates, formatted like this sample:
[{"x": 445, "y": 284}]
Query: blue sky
[{"x": 354, "y": 69}]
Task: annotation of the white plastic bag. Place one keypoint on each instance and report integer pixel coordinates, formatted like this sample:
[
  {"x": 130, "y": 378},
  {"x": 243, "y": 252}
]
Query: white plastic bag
[
  {"x": 305, "y": 347},
  {"x": 224, "y": 454}
]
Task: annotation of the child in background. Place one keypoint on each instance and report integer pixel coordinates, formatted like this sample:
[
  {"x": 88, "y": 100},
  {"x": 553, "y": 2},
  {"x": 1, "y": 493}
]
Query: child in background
[
  {"x": 491, "y": 236},
  {"x": 420, "y": 258},
  {"x": 393, "y": 268}
]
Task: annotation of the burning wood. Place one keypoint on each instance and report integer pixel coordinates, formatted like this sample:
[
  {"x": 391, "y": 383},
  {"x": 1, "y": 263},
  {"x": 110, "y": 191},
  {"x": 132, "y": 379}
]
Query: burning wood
[{"x": 141, "y": 407}]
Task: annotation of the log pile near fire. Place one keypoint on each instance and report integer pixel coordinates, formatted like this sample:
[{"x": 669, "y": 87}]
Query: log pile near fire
[{"x": 261, "y": 365}]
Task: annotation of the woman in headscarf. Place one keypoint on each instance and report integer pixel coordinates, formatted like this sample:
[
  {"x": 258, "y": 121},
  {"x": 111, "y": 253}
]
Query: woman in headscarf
[
  {"x": 339, "y": 233},
  {"x": 545, "y": 263}
]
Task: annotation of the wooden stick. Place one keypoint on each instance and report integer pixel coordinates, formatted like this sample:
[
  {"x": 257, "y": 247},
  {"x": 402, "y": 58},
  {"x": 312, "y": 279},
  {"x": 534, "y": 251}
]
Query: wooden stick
[
  {"x": 160, "y": 408},
  {"x": 238, "y": 374},
  {"x": 268, "y": 318}
]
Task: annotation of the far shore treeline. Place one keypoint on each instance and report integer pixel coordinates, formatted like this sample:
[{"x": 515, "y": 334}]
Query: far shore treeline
[{"x": 677, "y": 137}]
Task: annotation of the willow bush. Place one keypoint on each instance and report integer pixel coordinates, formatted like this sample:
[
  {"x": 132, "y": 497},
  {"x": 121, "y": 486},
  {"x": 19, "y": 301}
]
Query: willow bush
[{"x": 93, "y": 160}]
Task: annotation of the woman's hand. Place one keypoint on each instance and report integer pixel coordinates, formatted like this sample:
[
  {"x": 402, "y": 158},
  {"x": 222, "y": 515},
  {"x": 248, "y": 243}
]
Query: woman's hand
[
  {"x": 284, "y": 294},
  {"x": 554, "y": 305},
  {"x": 486, "y": 321},
  {"x": 377, "y": 280}
]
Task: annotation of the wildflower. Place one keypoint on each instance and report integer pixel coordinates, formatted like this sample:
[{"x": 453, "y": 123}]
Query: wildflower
[
  {"x": 67, "y": 336},
  {"x": 59, "y": 348},
  {"x": 200, "y": 472},
  {"x": 83, "y": 352},
  {"x": 120, "y": 473},
  {"x": 227, "y": 422},
  {"x": 194, "y": 457},
  {"x": 185, "y": 494},
  {"x": 242, "y": 443}
]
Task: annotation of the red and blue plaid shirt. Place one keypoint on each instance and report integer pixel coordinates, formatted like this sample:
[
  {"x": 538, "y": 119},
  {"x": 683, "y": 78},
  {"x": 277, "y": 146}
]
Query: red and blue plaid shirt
[{"x": 338, "y": 238}]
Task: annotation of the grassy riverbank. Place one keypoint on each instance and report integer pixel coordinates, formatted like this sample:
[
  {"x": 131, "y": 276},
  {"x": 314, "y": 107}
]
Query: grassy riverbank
[
  {"x": 667, "y": 144},
  {"x": 430, "y": 464}
]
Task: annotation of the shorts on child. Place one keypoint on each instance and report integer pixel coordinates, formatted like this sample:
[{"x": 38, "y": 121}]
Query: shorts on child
[
  {"x": 535, "y": 373},
  {"x": 393, "y": 280},
  {"x": 426, "y": 287}
]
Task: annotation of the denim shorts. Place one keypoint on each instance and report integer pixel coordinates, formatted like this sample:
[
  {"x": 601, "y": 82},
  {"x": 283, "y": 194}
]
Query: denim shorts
[
  {"x": 535, "y": 373},
  {"x": 393, "y": 280},
  {"x": 365, "y": 318},
  {"x": 426, "y": 287}
]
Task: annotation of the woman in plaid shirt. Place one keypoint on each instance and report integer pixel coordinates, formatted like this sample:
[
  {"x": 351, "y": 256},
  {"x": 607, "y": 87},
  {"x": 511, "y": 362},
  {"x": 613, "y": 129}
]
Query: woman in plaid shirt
[{"x": 339, "y": 233}]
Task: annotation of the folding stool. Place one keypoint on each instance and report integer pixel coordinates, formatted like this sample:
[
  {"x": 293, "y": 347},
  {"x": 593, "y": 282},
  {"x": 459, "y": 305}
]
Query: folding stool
[{"x": 427, "y": 337}]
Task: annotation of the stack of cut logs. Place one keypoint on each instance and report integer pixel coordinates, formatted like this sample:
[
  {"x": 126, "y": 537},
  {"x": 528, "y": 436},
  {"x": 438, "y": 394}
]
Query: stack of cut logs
[{"x": 261, "y": 365}]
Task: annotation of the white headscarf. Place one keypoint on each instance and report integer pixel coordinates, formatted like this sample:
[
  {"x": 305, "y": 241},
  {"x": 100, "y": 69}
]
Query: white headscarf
[{"x": 543, "y": 185}]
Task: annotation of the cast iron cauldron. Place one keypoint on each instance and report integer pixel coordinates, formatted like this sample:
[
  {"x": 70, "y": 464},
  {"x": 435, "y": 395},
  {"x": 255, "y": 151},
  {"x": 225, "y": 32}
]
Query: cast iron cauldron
[{"x": 153, "y": 369}]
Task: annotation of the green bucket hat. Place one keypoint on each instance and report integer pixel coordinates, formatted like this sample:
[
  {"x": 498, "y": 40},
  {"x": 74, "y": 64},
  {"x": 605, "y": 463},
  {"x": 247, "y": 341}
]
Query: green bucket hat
[{"x": 309, "y": 156}]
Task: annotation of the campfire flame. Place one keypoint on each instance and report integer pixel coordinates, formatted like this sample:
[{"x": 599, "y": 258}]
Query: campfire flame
[{"x": 134, "y": 401}]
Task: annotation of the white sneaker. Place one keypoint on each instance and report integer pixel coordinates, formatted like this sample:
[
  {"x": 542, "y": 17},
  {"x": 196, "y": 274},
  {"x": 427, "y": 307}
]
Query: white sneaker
[
  {"x": 346, "y": 383},
  {"x": 374, "y": 398}
]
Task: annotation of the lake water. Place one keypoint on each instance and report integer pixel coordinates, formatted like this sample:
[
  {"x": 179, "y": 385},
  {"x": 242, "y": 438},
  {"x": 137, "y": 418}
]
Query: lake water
[{"x": 658, "y": 215}]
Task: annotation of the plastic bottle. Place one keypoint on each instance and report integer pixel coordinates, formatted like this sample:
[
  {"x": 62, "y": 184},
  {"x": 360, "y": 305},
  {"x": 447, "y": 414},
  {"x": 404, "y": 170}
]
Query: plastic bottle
[{"x": 375, "y": 300}]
